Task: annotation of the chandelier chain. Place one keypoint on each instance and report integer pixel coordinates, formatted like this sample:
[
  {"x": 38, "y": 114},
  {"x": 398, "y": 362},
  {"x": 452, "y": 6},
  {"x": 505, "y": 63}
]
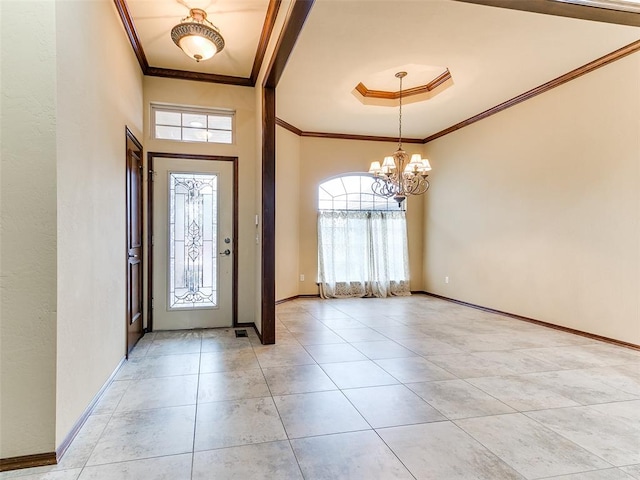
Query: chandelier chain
[
  {"x": 400, "y": 119},
  {"x": 400, "y": 174}
]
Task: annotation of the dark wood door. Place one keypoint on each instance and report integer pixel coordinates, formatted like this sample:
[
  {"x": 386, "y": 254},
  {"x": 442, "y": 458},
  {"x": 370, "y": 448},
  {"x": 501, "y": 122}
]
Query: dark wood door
[{"x": 134, "y": 241}]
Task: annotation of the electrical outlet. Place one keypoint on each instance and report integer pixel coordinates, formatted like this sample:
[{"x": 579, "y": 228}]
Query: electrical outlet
[
  {"x": 446, "y": 279},
  {"x": 302, "y": 277}
]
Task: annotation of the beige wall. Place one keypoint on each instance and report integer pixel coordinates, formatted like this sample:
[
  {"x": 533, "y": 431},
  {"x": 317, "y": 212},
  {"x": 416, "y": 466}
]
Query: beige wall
[
  {"x": 99, "y": 92},
  {"x": 536, "y": 210},
  {"x": 28, "y": 229},
  {"x": 241, "y": 99},
  {"x": 321, "y": 158},
  {"x": 287, "y": 213}
]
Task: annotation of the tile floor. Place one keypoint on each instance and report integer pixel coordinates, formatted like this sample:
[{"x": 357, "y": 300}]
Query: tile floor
[{"x": 401, "y": 388}]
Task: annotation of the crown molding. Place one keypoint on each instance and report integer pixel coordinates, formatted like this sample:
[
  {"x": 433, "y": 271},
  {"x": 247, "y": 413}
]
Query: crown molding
[
  {"x": 286, "y": 41},
  {"x": 151, "y": 71},
  {"x": 368, "y": 138},
  {"x": 595, "y": 10},
  {"x": 545, "y": 87},
  {"x": 288, "y": 126},
  {"x": 342, "y": 136},
  {"x": 198, "y": 76},
  {"x": 385, "y": 95},
  {"x": 267, "y": 29},
  {"x": 132, "y": 34}
]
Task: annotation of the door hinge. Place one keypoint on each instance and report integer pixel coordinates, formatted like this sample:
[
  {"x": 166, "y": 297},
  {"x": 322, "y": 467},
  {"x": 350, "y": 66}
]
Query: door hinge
[
  {"x": 153, "y": 237},
  {"x": 152, "y": 175},
  {"x": 152, "y": 303}
]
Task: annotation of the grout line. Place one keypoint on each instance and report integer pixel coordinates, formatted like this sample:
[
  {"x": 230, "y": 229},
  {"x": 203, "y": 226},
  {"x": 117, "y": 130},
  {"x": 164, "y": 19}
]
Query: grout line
[
  {"x": 195, "y": 416},
  {"x": 130, "y": 383},
  {"x": 341, "y": 390},
  {"x": 278, "y": 412},
  {"x": 111, "y": 414}
]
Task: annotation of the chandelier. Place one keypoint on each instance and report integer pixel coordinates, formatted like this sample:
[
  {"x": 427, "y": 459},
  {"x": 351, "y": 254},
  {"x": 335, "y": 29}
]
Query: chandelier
[
  {"x": 196, "y": 36},
  {"x": 399, "y": 176}
]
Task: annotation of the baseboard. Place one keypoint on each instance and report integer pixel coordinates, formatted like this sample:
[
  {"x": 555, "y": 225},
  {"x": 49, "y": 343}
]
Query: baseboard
[
  {"x": 592, "y": 336},
  {"x": 255, "y": 327},
  {"x": 27, "y": 461},
  {"x": 51, "y": 458},
  {"x": 64, "y": 445},
  {"x": 288, "y": 299},
  {"x": 244, "y": 325},
  {"x": 295, "y": 297}
]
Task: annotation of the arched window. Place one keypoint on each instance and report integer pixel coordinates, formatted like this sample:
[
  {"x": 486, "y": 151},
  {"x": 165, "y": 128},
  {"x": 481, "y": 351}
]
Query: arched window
[
  {"x": 352, "y": 191},
  {"x": 362, "y": 240}
]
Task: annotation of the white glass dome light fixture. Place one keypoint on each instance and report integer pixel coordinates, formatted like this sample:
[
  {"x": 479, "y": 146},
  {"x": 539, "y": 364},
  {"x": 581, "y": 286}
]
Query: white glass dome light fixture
[
  {"x": 197, "y": 37},
  {"x": 400, "y": 175}
]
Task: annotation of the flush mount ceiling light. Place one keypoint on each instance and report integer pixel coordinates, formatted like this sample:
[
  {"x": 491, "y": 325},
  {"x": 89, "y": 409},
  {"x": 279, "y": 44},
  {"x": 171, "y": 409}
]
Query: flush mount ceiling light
[
  {"x": 399, "y": 177},
  {"x": 197, "y": 37}
]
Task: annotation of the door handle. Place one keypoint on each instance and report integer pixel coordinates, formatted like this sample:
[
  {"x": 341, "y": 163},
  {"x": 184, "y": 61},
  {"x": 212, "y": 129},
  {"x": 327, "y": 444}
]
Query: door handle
[
  {"x": 131, "y": 255},
  {"x": 226, "y": 252}
]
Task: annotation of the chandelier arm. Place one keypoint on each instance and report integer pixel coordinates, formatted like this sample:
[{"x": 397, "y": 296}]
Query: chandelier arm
[{"x": 390, "y": 178}]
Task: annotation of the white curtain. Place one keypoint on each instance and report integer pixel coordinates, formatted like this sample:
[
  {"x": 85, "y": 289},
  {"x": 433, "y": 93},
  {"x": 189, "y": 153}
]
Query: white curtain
[{"x": 362, "y": 253}]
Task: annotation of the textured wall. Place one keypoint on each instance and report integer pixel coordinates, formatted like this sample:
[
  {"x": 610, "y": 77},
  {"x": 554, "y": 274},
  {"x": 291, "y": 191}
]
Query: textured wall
[
  {"x": 322, "y": 158},
  {"x": 99, "y": 92},
  {"x": 536, "y": 210},
  {"x": 28, "y": 229},
  {"x": 287, "y": 213}
]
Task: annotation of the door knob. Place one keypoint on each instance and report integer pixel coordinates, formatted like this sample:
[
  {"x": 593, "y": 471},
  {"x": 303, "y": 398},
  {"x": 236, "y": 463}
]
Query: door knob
[{"x": 226, "y": 252}]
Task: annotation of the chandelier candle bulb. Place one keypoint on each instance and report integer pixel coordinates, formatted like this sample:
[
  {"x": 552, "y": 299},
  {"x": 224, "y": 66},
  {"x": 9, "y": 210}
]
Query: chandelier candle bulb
[
  {"x": 375, "y": 168},
  {"x": 414, "y": 163},
  {"x": 400, "y": 175}
]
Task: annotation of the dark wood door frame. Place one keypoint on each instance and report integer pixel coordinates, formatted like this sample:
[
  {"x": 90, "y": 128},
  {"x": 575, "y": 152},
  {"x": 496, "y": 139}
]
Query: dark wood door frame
[
  {"x": 135, "y": 253},
  {"x": 234, "y": 286},
  {"x": 283, "y": 49}
]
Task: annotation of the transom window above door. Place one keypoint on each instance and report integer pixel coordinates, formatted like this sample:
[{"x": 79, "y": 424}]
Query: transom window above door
[
  {"x": 192, "y": 124},
  {"x": 352, "y": 192}
]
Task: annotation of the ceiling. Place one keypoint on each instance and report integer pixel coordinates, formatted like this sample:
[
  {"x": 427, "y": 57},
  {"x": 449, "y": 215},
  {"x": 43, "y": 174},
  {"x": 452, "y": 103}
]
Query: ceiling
[
  {"x": 240, "y": 22},
  {"x": 494, "y": 54}
]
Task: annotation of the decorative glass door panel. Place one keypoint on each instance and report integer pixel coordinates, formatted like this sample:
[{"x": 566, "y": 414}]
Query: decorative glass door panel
[
  {"x": 193, "y": 245},
  {"x": 193, "y": 228}
]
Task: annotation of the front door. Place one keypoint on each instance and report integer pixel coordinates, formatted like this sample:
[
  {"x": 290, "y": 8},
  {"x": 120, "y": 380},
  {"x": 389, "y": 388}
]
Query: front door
[
  {"x": 134, "y": 241},
  {"x": 193, "y": 244}
]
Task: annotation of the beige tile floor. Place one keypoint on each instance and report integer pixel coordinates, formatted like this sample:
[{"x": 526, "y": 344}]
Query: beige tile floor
[{"x": 400, "y": 388}]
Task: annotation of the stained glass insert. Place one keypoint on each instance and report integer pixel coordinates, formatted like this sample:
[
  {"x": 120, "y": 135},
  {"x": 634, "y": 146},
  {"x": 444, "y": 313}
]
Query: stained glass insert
[{"x": 193, "y": 226}]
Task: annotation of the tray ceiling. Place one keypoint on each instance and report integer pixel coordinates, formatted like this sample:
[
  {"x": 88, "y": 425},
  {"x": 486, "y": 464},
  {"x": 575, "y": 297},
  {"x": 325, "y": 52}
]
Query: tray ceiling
[{"x": 493, "y": 54}]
